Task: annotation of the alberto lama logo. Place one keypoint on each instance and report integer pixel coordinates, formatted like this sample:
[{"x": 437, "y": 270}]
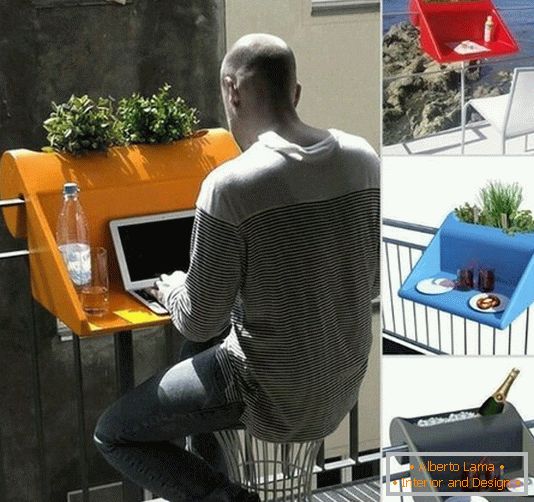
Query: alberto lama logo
[{"x": 467, "y": 476}]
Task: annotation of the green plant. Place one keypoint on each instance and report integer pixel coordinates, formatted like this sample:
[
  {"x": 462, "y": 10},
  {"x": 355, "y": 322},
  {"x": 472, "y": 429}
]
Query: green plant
[
  {"x": 523, "y": 222},
  {"x": 467, "y": 212},
  {"x": 82, "y": 125},
  {"x": 497, "y": 199},
  {"x": 160, "y": 118},
  {"x": 500, "y": 199}
]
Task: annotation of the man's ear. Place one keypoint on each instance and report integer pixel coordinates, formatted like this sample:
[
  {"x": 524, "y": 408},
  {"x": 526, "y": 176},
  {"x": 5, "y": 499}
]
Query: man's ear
[
  {"x": 231, "y": 89},
  {"x": 298, "y": 91}
]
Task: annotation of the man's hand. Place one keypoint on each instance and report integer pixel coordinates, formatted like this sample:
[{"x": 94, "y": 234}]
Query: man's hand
[{"x": 168, "y": 283}]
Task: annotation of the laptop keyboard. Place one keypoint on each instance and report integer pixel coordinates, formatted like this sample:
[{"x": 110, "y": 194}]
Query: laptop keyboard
[{"x": 147, "y": 295}]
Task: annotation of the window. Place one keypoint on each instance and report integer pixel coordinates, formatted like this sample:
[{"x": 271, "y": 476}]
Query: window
[
  {"x": 43, "y": 4},
  {"x": 343, "y": 6}
]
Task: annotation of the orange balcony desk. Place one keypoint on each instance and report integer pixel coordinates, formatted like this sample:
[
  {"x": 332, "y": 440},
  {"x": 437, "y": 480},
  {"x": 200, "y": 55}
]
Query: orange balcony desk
[{"x": 125, "y": 181}]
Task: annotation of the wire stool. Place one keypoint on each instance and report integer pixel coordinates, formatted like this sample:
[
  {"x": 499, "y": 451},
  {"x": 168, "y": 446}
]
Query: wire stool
[{"x": 276, "y": 471}]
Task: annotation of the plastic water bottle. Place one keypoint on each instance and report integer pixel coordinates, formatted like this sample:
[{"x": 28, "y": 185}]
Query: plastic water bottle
[{"x": 72, "y": 236}]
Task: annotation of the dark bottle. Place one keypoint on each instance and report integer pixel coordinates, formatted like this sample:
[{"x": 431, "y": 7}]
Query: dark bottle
[{"x": 495, "y": 403}]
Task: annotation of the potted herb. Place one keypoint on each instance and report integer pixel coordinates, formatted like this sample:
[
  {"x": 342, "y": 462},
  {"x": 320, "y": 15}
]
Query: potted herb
[
  {"x": 498, "y": 206},
  {"x": 157, "y": 119},
  {"x": 493, "y": 234},
  {"x": 82, "y": 125}
]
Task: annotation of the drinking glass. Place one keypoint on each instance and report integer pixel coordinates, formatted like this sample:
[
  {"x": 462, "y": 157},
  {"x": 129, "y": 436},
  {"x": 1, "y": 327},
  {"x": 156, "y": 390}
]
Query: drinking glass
[
  {"x": 95, "y": 294},
  {"x": 486, "y": 279},
  {"x": 464, "y": 279}
]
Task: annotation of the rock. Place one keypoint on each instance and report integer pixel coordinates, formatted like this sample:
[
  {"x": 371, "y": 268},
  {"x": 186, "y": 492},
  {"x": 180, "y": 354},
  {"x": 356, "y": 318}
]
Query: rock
[{"x": 419, "y": 105}]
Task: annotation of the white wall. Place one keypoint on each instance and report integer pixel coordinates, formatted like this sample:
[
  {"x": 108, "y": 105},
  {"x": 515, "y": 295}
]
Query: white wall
[
  {"x": 425, "y": 190},
  {"x": 338, "y": 59}
]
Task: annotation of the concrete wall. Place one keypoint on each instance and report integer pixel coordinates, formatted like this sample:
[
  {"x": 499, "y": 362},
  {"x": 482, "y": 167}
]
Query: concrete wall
[
  {"x": 338, "y": 65},
  {"x": 338, "y": 59},
  {"x": 48, "y": 50}
]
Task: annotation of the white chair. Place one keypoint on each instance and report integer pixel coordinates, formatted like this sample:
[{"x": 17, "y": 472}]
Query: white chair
[
  {"x": 511, "y": 114},
  {"x": 276, "y": 471}
]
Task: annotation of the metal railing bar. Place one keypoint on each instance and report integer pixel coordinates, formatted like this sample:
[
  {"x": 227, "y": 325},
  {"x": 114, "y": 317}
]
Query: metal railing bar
[
  {"x": 465, "y": 336},
  {"x": 397, "y": 242},
  {"x": 14, "y": 254},
  {"x": 510, "y": 340},
  {"x": 406, "y": 225},
  {"x": 80, "y": 407},
  {"x": 3, "y": 495},
  {"x": 354, "y": 438},
  {"x": 124, "y": 381},
  {"x": 12, "y": 202},
  {"x": 427, "y": 329},
  {"x": 526, "y": 330},
  {"x": 390, "y": 289},
  {"x": 452, "y": 333},
  {"x": 402, "y": 299},
  {"x": 320, "y": 460},
  {"x": 413, "y": 343},
  {"x": 439, "y": 330},
  {"x": 413, "y": 303},
  {"x": 44, "y": 494},
  {"x": 340, "y": 464},
  {"x": 347, "y": 462}
]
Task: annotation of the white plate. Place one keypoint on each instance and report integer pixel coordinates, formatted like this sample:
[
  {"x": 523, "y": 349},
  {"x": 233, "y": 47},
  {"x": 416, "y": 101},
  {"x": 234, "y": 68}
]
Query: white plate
[
  {"x": 435, "y": 286},
  {"x": 499, "y": 308},
  {"x": 514, "y": 487}
]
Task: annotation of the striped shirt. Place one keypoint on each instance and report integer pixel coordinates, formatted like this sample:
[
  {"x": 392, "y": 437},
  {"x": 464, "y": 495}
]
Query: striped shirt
[{"x": 285, "y": 248}]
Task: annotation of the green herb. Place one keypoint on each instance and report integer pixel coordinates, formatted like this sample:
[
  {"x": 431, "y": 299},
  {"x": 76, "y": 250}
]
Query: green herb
[
  {"x": 467, "y": 212},
  {"x": 160, "y": 118},
  {"x": 495, "y": 200},
  {"x": 523, "y": 222},
  {"x": 499, "y": 198},
  {"x": 82, "y": 125}
]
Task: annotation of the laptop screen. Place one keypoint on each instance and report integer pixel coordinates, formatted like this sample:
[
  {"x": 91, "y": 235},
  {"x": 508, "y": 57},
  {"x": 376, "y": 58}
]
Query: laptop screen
[{"x": 156, "y": 247}]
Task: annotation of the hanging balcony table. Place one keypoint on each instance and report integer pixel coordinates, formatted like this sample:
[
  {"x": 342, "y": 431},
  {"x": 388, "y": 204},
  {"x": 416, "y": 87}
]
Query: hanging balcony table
[
  {"x": 458, "y": 245},
  {"x": 453, "y": 32}
]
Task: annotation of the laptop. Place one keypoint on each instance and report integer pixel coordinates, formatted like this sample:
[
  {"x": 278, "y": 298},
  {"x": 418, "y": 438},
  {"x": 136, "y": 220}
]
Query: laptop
[{"x": 148, "y": 246}]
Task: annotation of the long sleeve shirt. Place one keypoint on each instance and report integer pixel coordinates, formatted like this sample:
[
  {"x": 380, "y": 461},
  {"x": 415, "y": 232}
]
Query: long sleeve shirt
[{"x": 285, "y": 249}]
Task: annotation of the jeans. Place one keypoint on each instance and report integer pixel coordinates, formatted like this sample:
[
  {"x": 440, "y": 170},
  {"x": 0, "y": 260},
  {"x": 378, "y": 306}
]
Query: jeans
[{"x": 140, "y": 434}]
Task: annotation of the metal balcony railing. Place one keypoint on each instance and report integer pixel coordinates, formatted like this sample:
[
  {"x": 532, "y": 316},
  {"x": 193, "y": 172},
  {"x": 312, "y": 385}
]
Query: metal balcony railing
[{"x": 428, "y": 330}]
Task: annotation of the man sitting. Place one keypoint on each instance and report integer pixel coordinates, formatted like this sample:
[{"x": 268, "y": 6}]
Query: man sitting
[{"x": 285, "y": 252}]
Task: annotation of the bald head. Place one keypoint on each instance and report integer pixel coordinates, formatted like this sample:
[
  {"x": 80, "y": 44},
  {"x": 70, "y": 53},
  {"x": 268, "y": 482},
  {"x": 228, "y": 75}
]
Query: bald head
[{"x": 268, "y": 62}]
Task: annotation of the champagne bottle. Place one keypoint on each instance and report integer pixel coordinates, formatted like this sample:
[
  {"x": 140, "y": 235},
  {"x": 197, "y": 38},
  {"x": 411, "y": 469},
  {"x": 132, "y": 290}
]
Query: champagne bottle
[{"x": 495, "y": 403}]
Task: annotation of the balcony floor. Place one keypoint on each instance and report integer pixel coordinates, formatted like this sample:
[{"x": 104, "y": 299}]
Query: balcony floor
[
  {"x": 480, "y": 139},
  {"x": 361, "y": 491}
]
